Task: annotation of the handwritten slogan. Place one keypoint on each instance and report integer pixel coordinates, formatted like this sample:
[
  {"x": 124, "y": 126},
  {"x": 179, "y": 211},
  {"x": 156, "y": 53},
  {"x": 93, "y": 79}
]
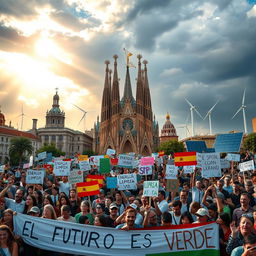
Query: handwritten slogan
[
  {"x": 35, "y": 176},
  {"x": 127, "y": 181},
  {"x": 62, "y": 168}
]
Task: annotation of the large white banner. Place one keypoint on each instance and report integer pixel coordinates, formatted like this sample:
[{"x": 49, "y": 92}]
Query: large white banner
[{"x": 72, "y": 238}]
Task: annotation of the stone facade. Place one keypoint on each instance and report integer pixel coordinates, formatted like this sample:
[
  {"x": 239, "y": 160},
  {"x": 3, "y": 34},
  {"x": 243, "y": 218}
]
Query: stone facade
[{"x": 126, "y": 125}]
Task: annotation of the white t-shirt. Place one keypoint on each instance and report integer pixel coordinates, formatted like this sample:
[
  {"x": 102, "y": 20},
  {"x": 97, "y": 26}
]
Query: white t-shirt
[
  {"x": 175, "y": 219},
  {"x": 197, "y": 195}
]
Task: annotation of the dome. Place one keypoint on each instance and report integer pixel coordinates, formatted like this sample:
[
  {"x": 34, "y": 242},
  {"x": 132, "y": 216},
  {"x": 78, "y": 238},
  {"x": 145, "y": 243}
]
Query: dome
[
  {"x": 55, "y": 110},
  {"x": 2, "y": 119},
  {"x": 168, "y": 128}
]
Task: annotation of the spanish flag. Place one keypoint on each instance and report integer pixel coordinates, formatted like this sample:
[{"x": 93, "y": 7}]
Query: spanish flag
[
  {"x": 97, "y": 178},
  {"x": 161, "y": 153},
  {"x": 185, "y": 158},
  {"x": 87, "y": 188}
]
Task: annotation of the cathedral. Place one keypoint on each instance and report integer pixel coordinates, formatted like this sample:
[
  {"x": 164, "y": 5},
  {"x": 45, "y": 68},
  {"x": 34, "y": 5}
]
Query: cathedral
[{"x": 126, "y": 124}]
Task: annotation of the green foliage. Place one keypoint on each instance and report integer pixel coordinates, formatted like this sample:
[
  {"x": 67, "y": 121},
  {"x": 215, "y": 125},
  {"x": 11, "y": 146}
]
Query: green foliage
[
  {"x": 89, "y": 153},
  {"x": 250, "y": 142},
  {"x": 51, "y": 148},
  {"x": 20, "y": 148},
  {"x": 171, "y": 146}
]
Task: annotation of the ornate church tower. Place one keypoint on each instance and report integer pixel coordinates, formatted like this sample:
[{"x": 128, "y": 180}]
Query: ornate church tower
[
  {"x": 127, "y": 125},
  {"x": 168, "y": 131},
  {"x": 55, "y": 117}
]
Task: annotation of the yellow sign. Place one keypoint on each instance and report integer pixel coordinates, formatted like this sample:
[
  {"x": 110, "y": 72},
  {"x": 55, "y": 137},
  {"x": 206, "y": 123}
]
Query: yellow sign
[{"x": 83, "y": 158}]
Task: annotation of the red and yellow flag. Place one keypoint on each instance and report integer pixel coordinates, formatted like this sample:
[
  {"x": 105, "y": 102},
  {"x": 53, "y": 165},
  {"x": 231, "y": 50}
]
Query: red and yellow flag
[
  {"x": 87, "y": 188},
  {"x": 161, "y": 153},
  {"x": 185, "y": 158},
  {"x": 97, "y": 178}
]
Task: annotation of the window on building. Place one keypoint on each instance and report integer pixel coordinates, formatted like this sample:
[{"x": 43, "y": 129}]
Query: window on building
[
  {"x": 60, "y": 137},
  {"x": 6, "y": 140},
  {"x": 46, "y": 137},
  {"x": 2, "y": 138},
  {"x": 78, "y": 147},
  {"x": 53, "y": 121},
  {"x": 53, "y": 137},
  {"x": 78, "y": 138}
]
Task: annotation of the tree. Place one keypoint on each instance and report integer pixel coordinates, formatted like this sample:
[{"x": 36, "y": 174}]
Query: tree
[
  {"x": 20, "y": 147},
  {"x": 171, "y": 146},
  {"x": 51, "y": 148},
  {"x": 89, "y": 153},
  {"x": 250, "y": 142}
]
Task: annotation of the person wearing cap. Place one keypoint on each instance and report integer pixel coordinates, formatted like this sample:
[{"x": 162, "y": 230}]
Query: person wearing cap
[
  {"x": 113, "y": 214},
  {"x": 202, "y": 216},
  {"x": 34, "y": 211}
]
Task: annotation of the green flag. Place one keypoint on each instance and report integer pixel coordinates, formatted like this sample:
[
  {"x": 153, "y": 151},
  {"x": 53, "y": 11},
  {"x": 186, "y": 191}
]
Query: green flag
[{"x": 104, "y": 165}]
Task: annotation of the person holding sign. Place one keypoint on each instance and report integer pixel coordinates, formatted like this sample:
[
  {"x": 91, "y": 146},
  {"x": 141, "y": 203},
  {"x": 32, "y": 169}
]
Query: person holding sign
[{"x": 160, "y": 204}]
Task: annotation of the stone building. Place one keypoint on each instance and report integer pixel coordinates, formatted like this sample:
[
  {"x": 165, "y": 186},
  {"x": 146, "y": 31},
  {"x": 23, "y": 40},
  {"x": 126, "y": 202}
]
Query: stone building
[
  {"x": 168, "y": 131},
  {"x": 126, "y": 125}
]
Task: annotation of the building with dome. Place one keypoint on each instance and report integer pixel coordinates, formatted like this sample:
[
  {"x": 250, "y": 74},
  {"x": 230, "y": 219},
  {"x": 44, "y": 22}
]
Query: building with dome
[
  {"x": 65, "y": 139},
  {"x": 7, "y": 132},
  {"x": 126, "y": 124},
  {"x": 168, "y": 131}
]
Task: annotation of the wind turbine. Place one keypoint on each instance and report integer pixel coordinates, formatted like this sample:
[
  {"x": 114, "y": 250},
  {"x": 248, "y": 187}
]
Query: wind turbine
[
  {"x": 243, "y": 109},
  {"x": 192, "y": 109},
  {"x": 83, "y": 117},
  {"x": 209, "y": 114},
  {"x": 22, "y": 117}
]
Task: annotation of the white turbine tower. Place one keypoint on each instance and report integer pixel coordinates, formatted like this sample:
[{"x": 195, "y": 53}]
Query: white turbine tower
[
  {"x": 192, "y": 109},
  {"x": 84, "y": 114},
  {"x": 243, "y": 109},
  {"x": 22, "y": 117},
  {"x": 209, "y": 114}
]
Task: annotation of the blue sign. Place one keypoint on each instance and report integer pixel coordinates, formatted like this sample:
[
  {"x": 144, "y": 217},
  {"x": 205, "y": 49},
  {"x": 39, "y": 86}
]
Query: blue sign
[
  {"x": 228, "y": 143},
  {"x": 251, "y": 1},
  {"x": 111, "y": 182},
  {"x": 196, "y": 146}
]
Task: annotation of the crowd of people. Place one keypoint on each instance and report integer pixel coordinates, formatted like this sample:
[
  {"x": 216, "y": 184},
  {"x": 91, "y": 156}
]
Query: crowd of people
[{"x": 229, "y": 200}]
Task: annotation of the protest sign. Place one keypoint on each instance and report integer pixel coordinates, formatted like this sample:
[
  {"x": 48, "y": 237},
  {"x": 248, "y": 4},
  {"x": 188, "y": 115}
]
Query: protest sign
[
  {"x": 30, "y": 161},
  {"x": 75, "y": 176},
  {"x": 126, "y": 181},
  {"x": 111, "y": 182},
  {"x": 73, "y": 238},
  {"x": 246, "y": 166},
  {"x": 224, "y": 163},
  {"x": 35, "y": 176},
  {"x": 104, "y": 165},
  {"x": 135, "y": 163},
  {"x": 147, "y": 161},
  {"x": 171, "y": 172},
  {"x": 233, "y": 157},
  {"x": 145, "y": 170},
  {"x": 26, "y": 166},
  {"x": 41, "y": 155},
  {"x": 150, "y": 188},
  {"x": 199, "y": 160},
  {"x": 82, "y": 158},
  {"x": 172, "y": 185},
  {"x": 189, "y": 169},
  {"x": 110, "y": 152},
  {"x": 95, "y": 160},
  {"x": 211, "y": 165},
  {"x": 125, "y": 161},
  {"x": 159, "y": 161},
  {"x": 61, "y": 168},
  {"x": 155, "y": 155},
  {"x": 2, "y": 167},
  {"x": 84, "y": 166}
]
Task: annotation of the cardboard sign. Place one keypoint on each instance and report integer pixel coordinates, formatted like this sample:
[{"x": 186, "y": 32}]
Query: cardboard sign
[
  {"x": 111, "y": 182},
  {"x": 145, "y": 170},
  {"x": 2, "y": 167},
  {"x": 211, "y": 165},
  {"x": 189, "y": 169},
  {"x": 110, "y": 152},
  {"x": 150, "y": 188},
  {"x": 35, "y": 176},
  {"x": 233, "y": 157},
  {"x": 127, "y": 181},
  {"x": 246, "y": 166},
  {"x": 75, "y": 176},
  {"x": 104, "y": 165},
  {"x": 41, "y": 156},
  {"x": 147, "y": 161},
  {"x": 171, "y": 172},
  {"x": 135, "y": 164},
  {"x": 199, "y": 159},
  {"x": 224, "y": 163},
  {"x": 82, "y": 158},
  {"x": 172, "y": 185},
  {"x": 84, "y": 166},
  {"x": 125, "y": 161},
  {"x": 62, "y": 168}
]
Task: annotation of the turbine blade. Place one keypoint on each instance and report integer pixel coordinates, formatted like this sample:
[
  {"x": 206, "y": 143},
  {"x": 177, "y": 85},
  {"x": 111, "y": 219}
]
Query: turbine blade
[
  {"x": 243, "y": 96},
  {"x": 237, "y": 112},
  {"x": 198, "y": 113},
  {"x": 82, "y": 118},
  {"x": 211, "y": 109},
  {"x": 189, "y": 103},
  {"x": 78, "y": 108}
]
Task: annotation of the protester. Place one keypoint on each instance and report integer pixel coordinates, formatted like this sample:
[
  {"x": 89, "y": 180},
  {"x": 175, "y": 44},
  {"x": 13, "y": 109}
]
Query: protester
[
  {"x": 130, "y": 216},
  {"x": 166, "y": 219},
  {"x": 49, "y": 212},
  {"x": 66, "y": 214},
  {"x": 202, "y": 215},
  {"x": 8, "y": 245},
  {"x": 7, "y": 218},
  {"x": 85, "y": 211},
  {"x": 248, "y": 248},
  {"x": 30, "y": 202},
  {"x": 186, "y": 218}
]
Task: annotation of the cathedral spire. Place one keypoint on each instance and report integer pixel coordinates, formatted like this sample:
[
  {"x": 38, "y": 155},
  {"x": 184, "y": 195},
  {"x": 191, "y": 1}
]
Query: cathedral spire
[
  {"x": 127, "y": 86},
  {"x": 139, "y": 89},
  {"x": 115, "y": 89},
  {"x": 147, "y": 97},
  {"x": 106, "y": 97}
]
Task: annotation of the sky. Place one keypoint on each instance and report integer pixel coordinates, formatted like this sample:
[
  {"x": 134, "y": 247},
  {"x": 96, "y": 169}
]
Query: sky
[{"x": 201, "y": 50}]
